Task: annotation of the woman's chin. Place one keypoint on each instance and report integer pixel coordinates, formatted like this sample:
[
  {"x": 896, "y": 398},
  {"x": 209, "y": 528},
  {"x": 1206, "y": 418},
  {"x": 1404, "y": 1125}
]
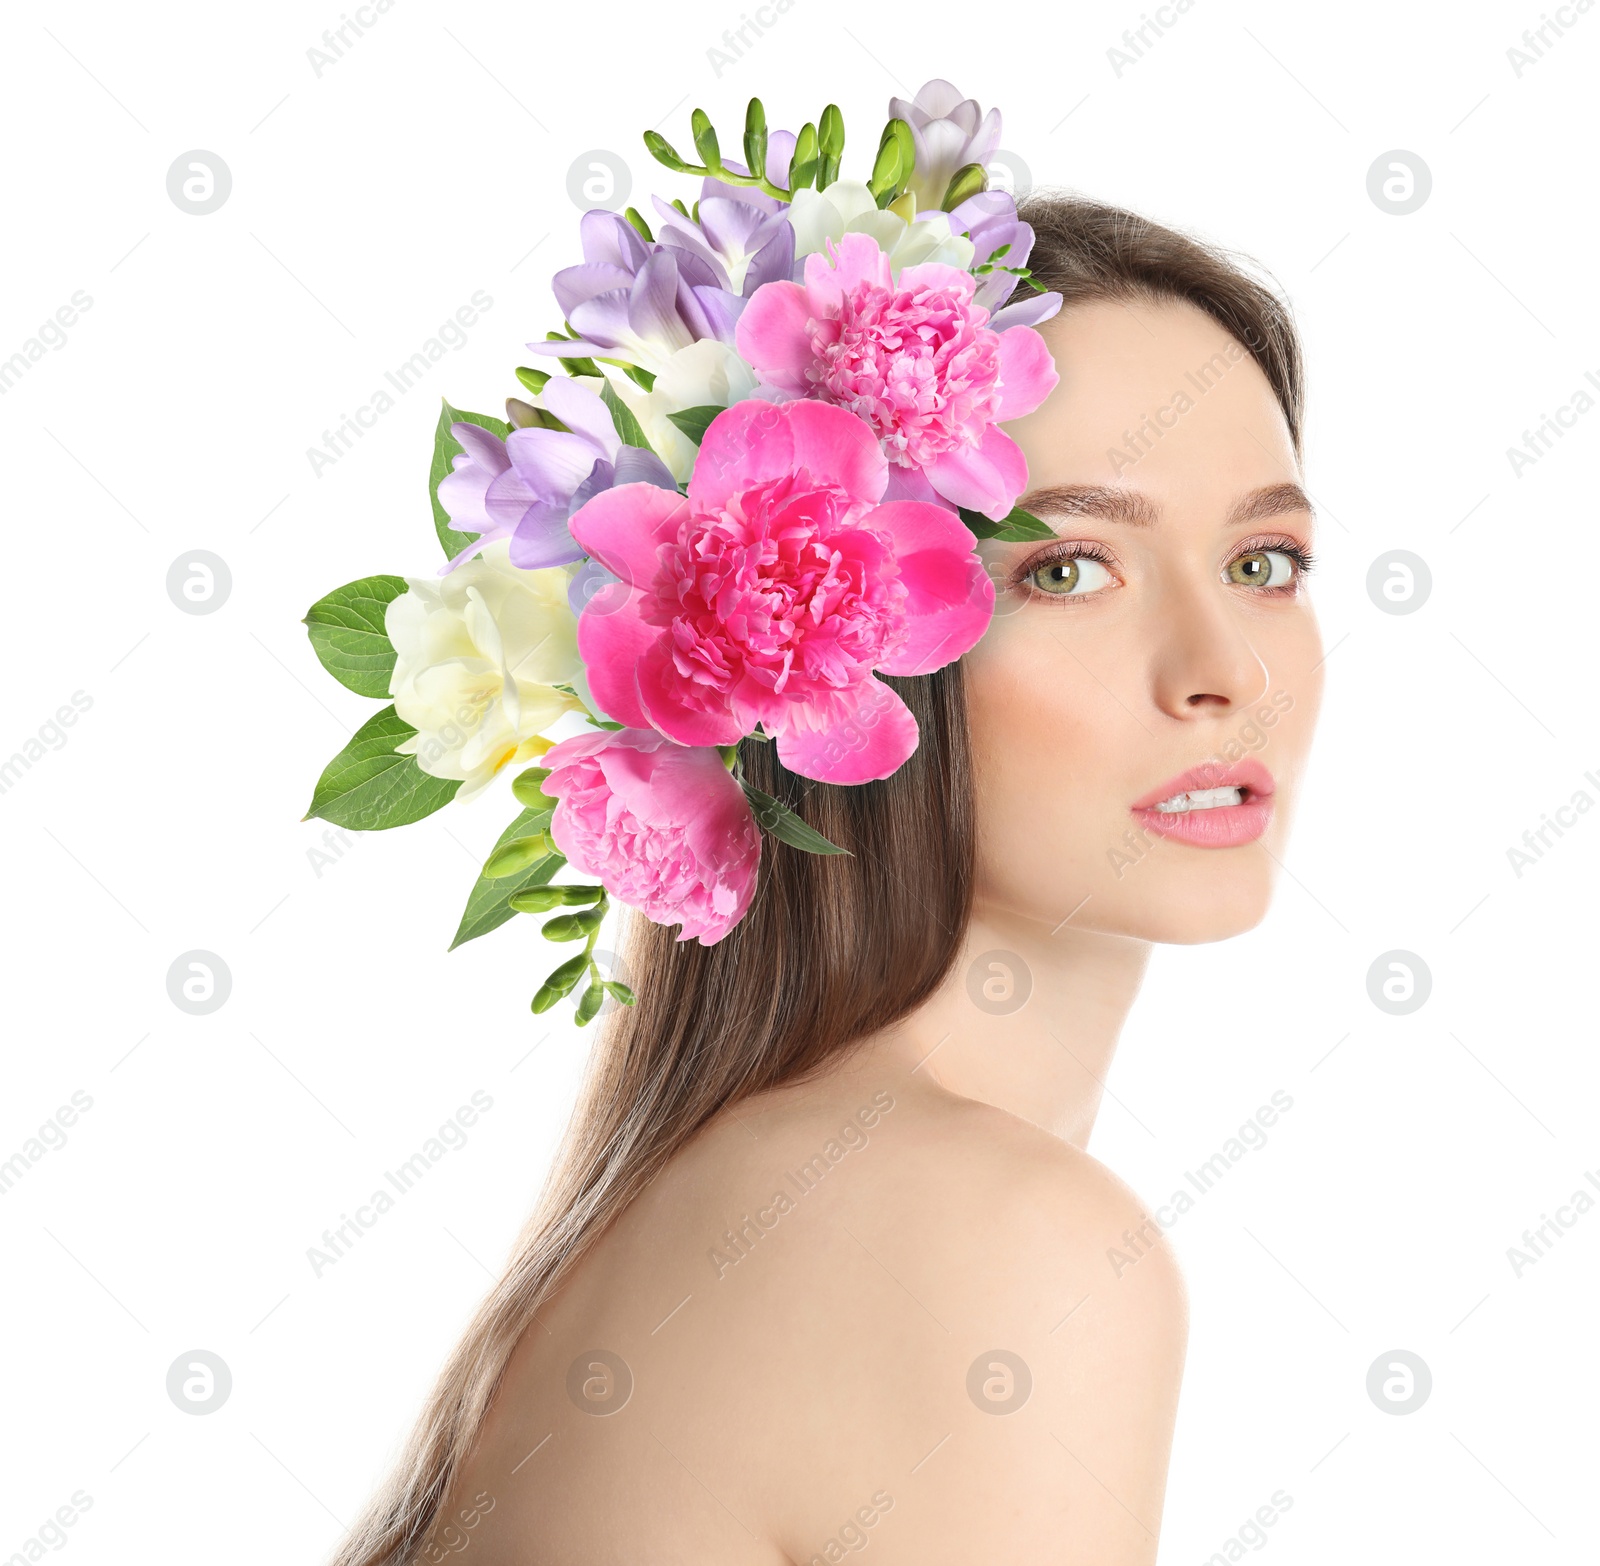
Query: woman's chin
[{"x": 1186, "y": 906}]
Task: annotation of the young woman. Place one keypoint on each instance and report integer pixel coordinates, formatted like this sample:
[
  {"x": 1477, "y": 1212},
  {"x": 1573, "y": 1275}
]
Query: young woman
[{"x": 822, "y": 1264}]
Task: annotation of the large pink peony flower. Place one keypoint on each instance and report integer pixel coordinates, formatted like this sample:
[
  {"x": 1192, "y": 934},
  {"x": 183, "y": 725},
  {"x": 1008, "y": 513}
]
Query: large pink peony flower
[
  {"x": 912, "y": 356},
  {"x": 773, "y": 592},
  {"x": 663, "y": 828}
]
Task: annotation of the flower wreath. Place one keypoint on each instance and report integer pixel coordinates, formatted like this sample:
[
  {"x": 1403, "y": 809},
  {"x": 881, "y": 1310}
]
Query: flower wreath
[{"x": 757, "y": 484}]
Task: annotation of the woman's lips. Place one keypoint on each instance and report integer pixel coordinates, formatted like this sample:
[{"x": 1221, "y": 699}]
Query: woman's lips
[{"x": 1198, "y": 811}]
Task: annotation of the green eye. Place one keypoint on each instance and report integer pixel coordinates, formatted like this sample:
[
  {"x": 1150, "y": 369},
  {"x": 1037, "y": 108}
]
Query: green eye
[
  {"x": 1074, "y": 576},
  {"x": 1263, "y": 568}
]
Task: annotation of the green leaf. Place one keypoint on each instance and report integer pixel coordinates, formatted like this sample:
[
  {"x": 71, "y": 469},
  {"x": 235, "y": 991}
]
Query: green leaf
[
  {"x": 640, "y": 376},
  {"x": 693, "y": 421},
  {"x": 628, "y": 431},
  {"x": 368, "y": 788},
  {"x": 560, "y": 982},
  {"x": 489, "y": 902},
  {"x": 786, "y": 826},
  {"x": 534, "y": 380},
  {"x": 347, "y": 632},
  {"x": 445, "y": 448},
  {"x": 1017, "y": 527},
  {"x": 589, "y": 1003}
]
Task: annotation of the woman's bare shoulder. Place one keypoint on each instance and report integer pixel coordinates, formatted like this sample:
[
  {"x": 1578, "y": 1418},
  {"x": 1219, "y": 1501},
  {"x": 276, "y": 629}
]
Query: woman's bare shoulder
[
  {"x": 851, "y": 1301},
  {"x": 944, "y": 1312},
  {"x": 1000, "y": 1216}
]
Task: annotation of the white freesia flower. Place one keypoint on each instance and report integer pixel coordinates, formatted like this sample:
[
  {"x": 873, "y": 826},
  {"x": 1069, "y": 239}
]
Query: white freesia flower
[
  {"x": 707, "y": 373},
  {"x": 478, "y": 654},
  {"x": 847, "y": 206}
]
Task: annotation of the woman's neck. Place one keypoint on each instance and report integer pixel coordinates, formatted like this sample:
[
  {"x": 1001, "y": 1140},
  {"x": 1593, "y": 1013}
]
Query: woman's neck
[{"x": 1027, "y": 1020}]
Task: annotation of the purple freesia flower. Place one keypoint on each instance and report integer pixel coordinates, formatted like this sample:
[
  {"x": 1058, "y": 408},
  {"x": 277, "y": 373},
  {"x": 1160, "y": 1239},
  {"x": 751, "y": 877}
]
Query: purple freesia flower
[
  {"x": 990, "y": 221},
  {"x": 637, "y": 301},
  {"x": 745, "y": 244},
  {"x": 526, "y": 486}
]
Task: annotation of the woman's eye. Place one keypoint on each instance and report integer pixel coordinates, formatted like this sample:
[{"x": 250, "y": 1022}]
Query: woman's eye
[
  {"x": 1263, "y": 568},
  {"x": 1075, "y": 576}
]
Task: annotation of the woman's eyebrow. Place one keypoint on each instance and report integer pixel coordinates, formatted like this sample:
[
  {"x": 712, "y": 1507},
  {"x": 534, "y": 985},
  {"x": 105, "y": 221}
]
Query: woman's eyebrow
[
  {"x": 1092, "y": 500},
  {"x": 1271, "y": 501},
  {"x": 1112, "y": 504}
]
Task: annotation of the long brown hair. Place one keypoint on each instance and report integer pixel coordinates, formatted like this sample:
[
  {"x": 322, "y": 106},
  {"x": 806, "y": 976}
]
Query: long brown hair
[{"x": 833, "y": 948}]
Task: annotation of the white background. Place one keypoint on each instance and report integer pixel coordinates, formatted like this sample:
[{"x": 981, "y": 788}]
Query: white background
[{"x": 367, "y": 205}]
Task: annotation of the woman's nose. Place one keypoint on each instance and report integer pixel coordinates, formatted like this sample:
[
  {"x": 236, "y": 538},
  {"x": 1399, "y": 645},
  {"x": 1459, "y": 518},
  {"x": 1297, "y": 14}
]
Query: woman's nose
[{"x": 1205, "y": 665}]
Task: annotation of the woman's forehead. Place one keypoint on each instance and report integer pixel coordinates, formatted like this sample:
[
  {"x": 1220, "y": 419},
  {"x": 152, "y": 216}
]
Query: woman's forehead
[{"x": 1154, "y": 395}]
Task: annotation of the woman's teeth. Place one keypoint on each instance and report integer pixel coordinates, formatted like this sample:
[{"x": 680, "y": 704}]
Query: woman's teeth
[{"x": 1201, "y": 799}]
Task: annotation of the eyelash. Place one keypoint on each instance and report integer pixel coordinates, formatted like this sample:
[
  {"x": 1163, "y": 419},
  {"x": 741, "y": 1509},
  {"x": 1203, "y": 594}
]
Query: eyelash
[{"x": 1305, "y": 563}]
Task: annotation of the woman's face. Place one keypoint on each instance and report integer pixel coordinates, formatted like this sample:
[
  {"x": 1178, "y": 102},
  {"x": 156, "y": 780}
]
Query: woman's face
[{"x": 1161, "y": 646}]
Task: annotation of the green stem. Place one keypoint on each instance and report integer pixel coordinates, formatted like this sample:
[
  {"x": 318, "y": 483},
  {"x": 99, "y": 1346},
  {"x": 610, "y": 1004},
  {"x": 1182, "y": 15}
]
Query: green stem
[
  {"x": 728, "y": 177},
  {"x": 603, "y": 903}
]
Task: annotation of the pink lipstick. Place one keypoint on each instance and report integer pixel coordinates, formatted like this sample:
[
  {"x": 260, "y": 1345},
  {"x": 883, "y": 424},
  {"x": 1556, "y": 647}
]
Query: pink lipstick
[{"x": 1210, "y": 806}]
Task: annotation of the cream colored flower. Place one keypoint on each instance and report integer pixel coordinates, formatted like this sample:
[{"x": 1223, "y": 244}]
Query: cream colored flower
[
  {"x": 847, "y": 206},
  {"x": 478, "y": 656},
  {"x": 707, "y": 373}
]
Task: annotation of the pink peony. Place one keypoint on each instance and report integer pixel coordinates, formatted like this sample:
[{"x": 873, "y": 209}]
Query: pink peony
[
  {"x": 913, "y": 357},
  {"x": 773, "y": 592},
  {"x": 663, "y": 828}
]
